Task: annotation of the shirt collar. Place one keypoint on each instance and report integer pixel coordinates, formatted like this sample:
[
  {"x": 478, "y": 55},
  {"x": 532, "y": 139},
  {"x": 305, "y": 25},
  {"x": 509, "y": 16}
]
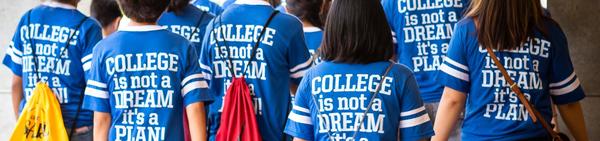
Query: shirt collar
[
  {"x": 141, "y": 28},
  {"x": 252, "y": 2},
  {"x": 58, "y": 5},
  {"x": 311, "y": 29}
]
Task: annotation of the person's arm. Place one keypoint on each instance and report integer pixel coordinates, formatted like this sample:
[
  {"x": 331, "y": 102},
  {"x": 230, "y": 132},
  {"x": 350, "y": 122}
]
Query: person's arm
[
  {"x": 293, "y": 88},
  {"x": 573, "y": 117},
  {"x": 451, "y": 105},
  {"x": 197, "y": 121},
  {"x": 298, "y": 139},
  {"x": 101, "y": 126},
  {"x": 17, "y": 93}
]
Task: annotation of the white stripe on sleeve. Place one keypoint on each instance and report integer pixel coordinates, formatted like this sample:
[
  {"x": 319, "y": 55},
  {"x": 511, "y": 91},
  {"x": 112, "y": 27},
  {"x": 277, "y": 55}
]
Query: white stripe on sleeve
[
  {"x": 301, "y": 109},
  {"x": 454, "y": 63},
  {"x": 87, "y": 66},
  {"x": 205, "y": 67},
  {"x": 303, "y": 65},
  {"x": 86, "y": 58},
  {"x": 565, "y": 90},
  {"x": 96, "y": 93},
  {"x": 192, "y": 86},
  {"x": 298, "y": 74},
  {"x": 563, "y": 82},
  {"x": 96, "y": 84},
  {"x": 16, "y": 59},
  {"x": 412, "y": 112},
  {"x": 193, "y": 76},
  {"x": 453, "y": 72},
  {"x": 414, "y": 121},
  {"x": 300, "y": 118}
]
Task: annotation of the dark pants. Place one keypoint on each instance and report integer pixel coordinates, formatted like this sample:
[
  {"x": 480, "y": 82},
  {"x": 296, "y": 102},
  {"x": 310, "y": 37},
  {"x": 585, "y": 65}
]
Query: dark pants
[{"x": 82, "y": 136}]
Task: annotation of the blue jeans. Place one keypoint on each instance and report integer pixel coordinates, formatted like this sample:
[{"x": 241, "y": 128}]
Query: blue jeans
[{"x": 432, "y": 108}]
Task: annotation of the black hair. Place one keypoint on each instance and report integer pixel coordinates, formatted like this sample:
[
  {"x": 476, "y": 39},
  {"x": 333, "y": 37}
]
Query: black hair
[
  {"x": 105, "y": 11},
  {"x": 357, "y": 32},
  {"x": 178, "y": 5},
  {"x": 147, "y": 11},
  {"x": 309, "y": 10},
  {"x": 67, "y": 1}
]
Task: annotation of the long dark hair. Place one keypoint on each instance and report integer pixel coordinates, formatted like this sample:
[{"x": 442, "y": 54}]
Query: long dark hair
[
  {"x": 178, "y": 5},
  {"x": 356, "y": 31},
  {"x": 506, "y": 24},
  {"x": 309, "y": 10}
]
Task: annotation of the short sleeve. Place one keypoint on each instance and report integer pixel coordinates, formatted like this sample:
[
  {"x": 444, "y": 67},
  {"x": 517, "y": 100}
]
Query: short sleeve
[
  {"x": 194, "y": 86},
  {"x": 91, "y": 37},
  {"x": 14, "y": 53},
  {"x": 96, "y": 92},
  {"x": 205, "y": 59},
  {"x": 564, "y": 85},
  {"x": 415, "y": 123},
  {"x": 298, "y": 56},
  {"x": 300, "y": 124},
  {"x": 454, "y": 72},
  {"x": 390, "y": 7}
]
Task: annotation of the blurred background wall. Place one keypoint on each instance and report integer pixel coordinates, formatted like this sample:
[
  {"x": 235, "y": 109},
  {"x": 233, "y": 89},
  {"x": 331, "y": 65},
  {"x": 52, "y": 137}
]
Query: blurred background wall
[{"x": 580, "y": 20}]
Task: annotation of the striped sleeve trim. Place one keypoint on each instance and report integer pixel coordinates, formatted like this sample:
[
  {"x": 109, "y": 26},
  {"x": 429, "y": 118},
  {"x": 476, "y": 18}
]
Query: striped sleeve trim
[
  {"x": 189, "y": 78},
  {"x": 96, "y": 93},
  {"x": 454, "y": 63},
  {"x": 567, "y": 89},
  {"x": 86, "y": 58},
  {"x": 87, "y": 66},
  {"x": 15, "y": 55},
  {"x": 563, "y": 82},
  {"x": 96, "y": 84},
  {"x": 301, "y": 109},
  {"x": 300, "y": 118},
  {"x": 298, "y": 74},
  {"x": 455, "y": 73},
  {"x": 412, "y": 112},
  {"x": 414, "y": 121},
  {"x": 302, "y": 66},
  {"x": 205, "y": 67},
  {"x": 193, "y": 86}
]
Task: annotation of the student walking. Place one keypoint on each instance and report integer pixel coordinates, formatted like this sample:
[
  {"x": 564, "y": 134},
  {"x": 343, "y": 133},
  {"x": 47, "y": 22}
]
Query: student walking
[
  {"x": 279, "y": 59},
  {"x": 502, "y": 56},
  {"x": 143, "y": 78},
  {"x": 53, "y": 43},
  {"x": 357, "y": 93}
]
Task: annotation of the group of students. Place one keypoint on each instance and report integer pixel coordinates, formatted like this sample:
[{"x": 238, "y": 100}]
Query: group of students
[{"x": 323, "y": 69}]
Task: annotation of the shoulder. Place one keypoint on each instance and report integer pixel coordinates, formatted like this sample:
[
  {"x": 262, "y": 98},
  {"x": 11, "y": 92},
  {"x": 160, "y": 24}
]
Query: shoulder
[
  {"x": 466, "y": 22},
  {"x": 401, "y": 70}
]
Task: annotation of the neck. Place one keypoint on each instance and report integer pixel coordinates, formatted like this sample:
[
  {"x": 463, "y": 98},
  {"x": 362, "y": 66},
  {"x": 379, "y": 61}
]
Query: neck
[
  {"x": 305, "y": 23},
  {"x": 134, "y": 23},
  {"x": 72, "y": 3}
]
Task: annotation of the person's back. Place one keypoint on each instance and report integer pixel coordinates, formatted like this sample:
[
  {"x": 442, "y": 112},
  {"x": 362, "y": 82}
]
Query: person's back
[
  {"x": 189, "y": 22},
  {"x": 357, "y": 92},
  {"x": 535, "y": 67},
  {"x": 39, "y": 48},
  {"x": 343, "y": 95},
  {"x": 533, "y": 50},
  {"x": 282, "y": 55},
  {"x": 143, "y": 78}
]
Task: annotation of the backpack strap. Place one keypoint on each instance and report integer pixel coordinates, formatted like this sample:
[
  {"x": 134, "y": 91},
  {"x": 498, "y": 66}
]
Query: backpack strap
[
  {"x": 33, "y": 48},
  {"x": 534, "y": 113},
  {"x": 81, "y": 94},
  {"x": 197, "y": 27},
  {"x": 255, "y": 48}
]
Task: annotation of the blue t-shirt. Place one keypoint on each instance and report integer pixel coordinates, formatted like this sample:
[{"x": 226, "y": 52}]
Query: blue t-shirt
[
  {"x": 343, "y": 95},
  {"x": 47, "y": 28},
  {"x": 422, "y": 34},
  {"x": 190, "y": 23},
  {"x": 227, "y": 3},
  {"x": 313, "y": 37},
  {"x": 144, "y": 76},
  {"x": 282, "y": 55},
  {"x": 208, "y": 6},
  {"x": 541, "y": 67}
]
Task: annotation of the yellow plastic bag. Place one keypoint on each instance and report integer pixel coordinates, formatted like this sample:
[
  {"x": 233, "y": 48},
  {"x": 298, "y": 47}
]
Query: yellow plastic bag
[{"x": 41, "y": 118}]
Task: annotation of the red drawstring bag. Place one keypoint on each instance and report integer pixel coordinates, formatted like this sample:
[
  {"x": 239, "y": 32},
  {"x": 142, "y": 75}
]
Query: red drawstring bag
[{"x": 238, "y": 119}]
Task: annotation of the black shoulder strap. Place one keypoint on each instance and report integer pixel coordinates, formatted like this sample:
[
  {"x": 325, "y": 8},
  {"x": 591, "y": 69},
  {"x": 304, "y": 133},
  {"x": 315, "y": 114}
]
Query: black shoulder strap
[
  {"x": 197, "y": 27},
  {"x": 255, "y": 48},
  {"x": 81, "y": 94}
]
